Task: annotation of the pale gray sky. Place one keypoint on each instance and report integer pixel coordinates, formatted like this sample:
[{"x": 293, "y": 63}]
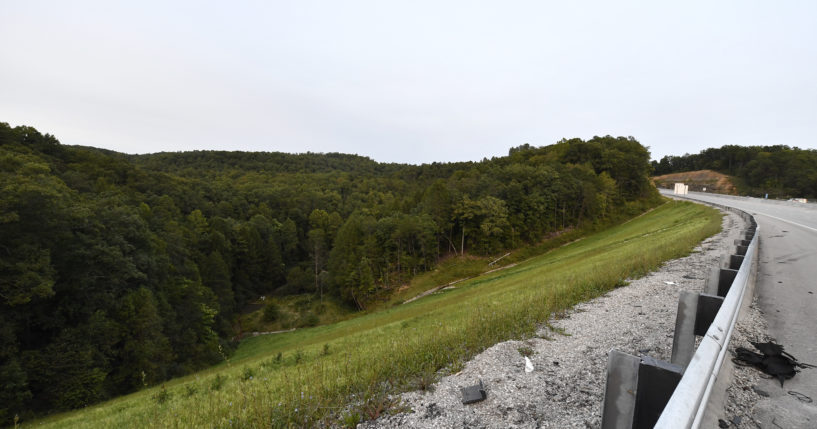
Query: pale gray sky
[{"x": 410, "y": 81}]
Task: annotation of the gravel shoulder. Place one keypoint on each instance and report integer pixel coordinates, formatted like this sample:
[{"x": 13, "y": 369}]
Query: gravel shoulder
[
  {"x": 738, "y": 403},
  {"x": 569, "y": 354}
]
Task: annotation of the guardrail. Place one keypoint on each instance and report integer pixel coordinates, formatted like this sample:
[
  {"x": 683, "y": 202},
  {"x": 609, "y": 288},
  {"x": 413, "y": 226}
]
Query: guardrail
[
  {"x": 687, "y": 405},
  {"x": 642, "y": 391}
]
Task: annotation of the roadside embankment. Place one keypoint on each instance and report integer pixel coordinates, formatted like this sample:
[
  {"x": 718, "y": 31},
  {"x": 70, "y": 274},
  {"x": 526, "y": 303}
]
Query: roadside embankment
[{"x": 569, "y": 354}]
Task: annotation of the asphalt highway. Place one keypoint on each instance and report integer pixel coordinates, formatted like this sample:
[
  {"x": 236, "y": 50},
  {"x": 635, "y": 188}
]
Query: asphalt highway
[{"x": 787, "y": 295}]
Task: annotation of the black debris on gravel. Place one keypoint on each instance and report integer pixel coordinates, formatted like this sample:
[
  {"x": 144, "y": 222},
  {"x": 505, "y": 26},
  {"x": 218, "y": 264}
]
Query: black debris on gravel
[{"x": 772, "y": 360}]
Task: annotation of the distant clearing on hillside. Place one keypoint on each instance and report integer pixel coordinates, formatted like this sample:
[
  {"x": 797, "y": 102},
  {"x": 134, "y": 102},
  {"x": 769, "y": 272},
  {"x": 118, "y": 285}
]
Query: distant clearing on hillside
[{"x": 698, "y": 180}]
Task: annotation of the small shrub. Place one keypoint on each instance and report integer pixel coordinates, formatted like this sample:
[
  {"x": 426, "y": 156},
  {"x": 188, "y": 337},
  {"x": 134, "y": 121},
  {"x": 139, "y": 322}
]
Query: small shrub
[
  {"x": 270, "y": 363},
  {"x": 309, "y": 319},
  {"x": 272, "y": 312},
  {"x": 218, "y": 382},
  {"x": 190, "y": 389},
  {"x": 351, "y": 420},
  {"x": 247, "y": 374},
  {"x": 223, "y": 354},
  {"x": 325, "y": 351},
  {"x": 375, "y": 407},
  {"x": 425, "y": 382},
  {"x": 162, "y": 395}
]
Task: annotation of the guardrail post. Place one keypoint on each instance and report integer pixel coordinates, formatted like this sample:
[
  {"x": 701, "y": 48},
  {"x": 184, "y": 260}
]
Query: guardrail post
[
  {"x": 708, "y": 307},
  {"x": 725, "y": 279},
  {"x": 618, "y": 407},
  {"x": 683, "y": 339},
  {"x": 656, "y": 383},
  {"x": 695, "y": 313},
  {"x": 637, "y": 390},
  {"x": 711, "y": 284},
  {"x": 735, "y": 261}
]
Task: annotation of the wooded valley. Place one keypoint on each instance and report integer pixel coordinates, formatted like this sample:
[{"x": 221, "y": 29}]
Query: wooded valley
[{"x": 120, "y": 271}]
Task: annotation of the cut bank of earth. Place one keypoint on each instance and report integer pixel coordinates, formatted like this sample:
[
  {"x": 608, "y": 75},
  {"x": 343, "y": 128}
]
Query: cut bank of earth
[{"x": 699, "y": 181}]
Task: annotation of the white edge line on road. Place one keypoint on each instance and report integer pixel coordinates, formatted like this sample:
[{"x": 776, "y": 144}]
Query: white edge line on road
[{"x": 785, "y": 220}]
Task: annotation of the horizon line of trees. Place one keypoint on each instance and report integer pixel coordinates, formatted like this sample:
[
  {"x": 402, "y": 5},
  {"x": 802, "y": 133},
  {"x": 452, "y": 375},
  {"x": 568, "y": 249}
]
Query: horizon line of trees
[{"x": 121, "y": 271}]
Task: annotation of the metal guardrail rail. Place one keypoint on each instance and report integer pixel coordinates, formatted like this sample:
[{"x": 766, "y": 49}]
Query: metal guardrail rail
[
  {"x": 644, "y": 392},
  {"x": 687, "y": 404}
]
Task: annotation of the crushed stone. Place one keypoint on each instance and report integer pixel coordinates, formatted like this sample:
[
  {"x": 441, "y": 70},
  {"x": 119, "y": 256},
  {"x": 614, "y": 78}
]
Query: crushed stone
[{"x": 743, "y": 393}]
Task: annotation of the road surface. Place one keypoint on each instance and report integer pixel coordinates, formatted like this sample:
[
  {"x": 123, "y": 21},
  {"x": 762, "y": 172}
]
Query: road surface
[{"x": 787, "y": 295}]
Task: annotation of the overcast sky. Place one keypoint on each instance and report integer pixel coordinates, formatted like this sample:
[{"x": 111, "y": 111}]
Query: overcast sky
[{"x": 410, "y": 81}]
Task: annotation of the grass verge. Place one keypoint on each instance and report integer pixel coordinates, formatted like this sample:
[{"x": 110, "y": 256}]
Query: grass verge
[{"x": 344, "y": 373}]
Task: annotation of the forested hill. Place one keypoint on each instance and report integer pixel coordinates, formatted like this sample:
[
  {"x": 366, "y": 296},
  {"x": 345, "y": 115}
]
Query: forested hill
[
  {"x": 195, "y": 163},
  {"x": 780, "y": 171},
  {"x": 120, "y": 271}
]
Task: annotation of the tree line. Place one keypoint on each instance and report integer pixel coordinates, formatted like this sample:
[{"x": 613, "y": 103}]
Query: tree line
[
  {"x": 120, "y": 271},
  {"x": 779, "y": 171}
]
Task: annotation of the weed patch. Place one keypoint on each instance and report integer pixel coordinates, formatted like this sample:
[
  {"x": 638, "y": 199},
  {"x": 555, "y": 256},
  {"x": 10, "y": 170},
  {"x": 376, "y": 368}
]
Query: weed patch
[{"x": 525, "y": 351}]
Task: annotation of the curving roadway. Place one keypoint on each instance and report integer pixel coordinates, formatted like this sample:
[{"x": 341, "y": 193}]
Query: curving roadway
[{"x": 787, "y": 295}]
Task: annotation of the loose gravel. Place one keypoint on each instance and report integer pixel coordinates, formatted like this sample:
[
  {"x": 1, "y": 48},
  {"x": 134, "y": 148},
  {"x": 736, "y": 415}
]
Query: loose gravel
[
  {"x": 569, "y": 355},
  {"x": 743, "y": 393}
]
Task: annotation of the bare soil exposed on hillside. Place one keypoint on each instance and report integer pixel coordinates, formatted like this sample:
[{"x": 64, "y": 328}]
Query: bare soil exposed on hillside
[{"x": 698, "y": 180}]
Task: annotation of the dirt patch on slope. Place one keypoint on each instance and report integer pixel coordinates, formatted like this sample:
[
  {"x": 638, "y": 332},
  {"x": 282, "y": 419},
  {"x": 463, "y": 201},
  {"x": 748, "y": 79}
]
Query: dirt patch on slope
[{"x": 697, "y": 181}]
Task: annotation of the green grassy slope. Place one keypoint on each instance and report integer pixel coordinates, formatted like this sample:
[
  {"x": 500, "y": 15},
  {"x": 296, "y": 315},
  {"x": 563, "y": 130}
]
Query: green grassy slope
[{"x": 343, "y": 372}]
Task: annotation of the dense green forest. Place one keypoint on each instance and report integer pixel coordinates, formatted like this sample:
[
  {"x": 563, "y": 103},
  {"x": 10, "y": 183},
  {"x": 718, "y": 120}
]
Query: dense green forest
[
  {"x": 121, "y": 271},
  {"x": 780, "y": 171}
]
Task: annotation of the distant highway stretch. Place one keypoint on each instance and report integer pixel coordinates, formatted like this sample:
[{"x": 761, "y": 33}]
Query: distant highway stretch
[{"x": 787, "y": 293}]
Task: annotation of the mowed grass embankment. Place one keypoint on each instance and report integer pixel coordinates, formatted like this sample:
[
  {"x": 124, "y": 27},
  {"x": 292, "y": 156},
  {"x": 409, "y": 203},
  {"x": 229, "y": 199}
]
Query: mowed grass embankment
[{"x": 342, "y": 373}]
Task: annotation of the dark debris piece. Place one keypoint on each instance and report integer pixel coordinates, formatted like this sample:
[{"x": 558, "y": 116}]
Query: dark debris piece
[
  {"x": 772, "y": 360},
  {"x": 473, "y": 393}
]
